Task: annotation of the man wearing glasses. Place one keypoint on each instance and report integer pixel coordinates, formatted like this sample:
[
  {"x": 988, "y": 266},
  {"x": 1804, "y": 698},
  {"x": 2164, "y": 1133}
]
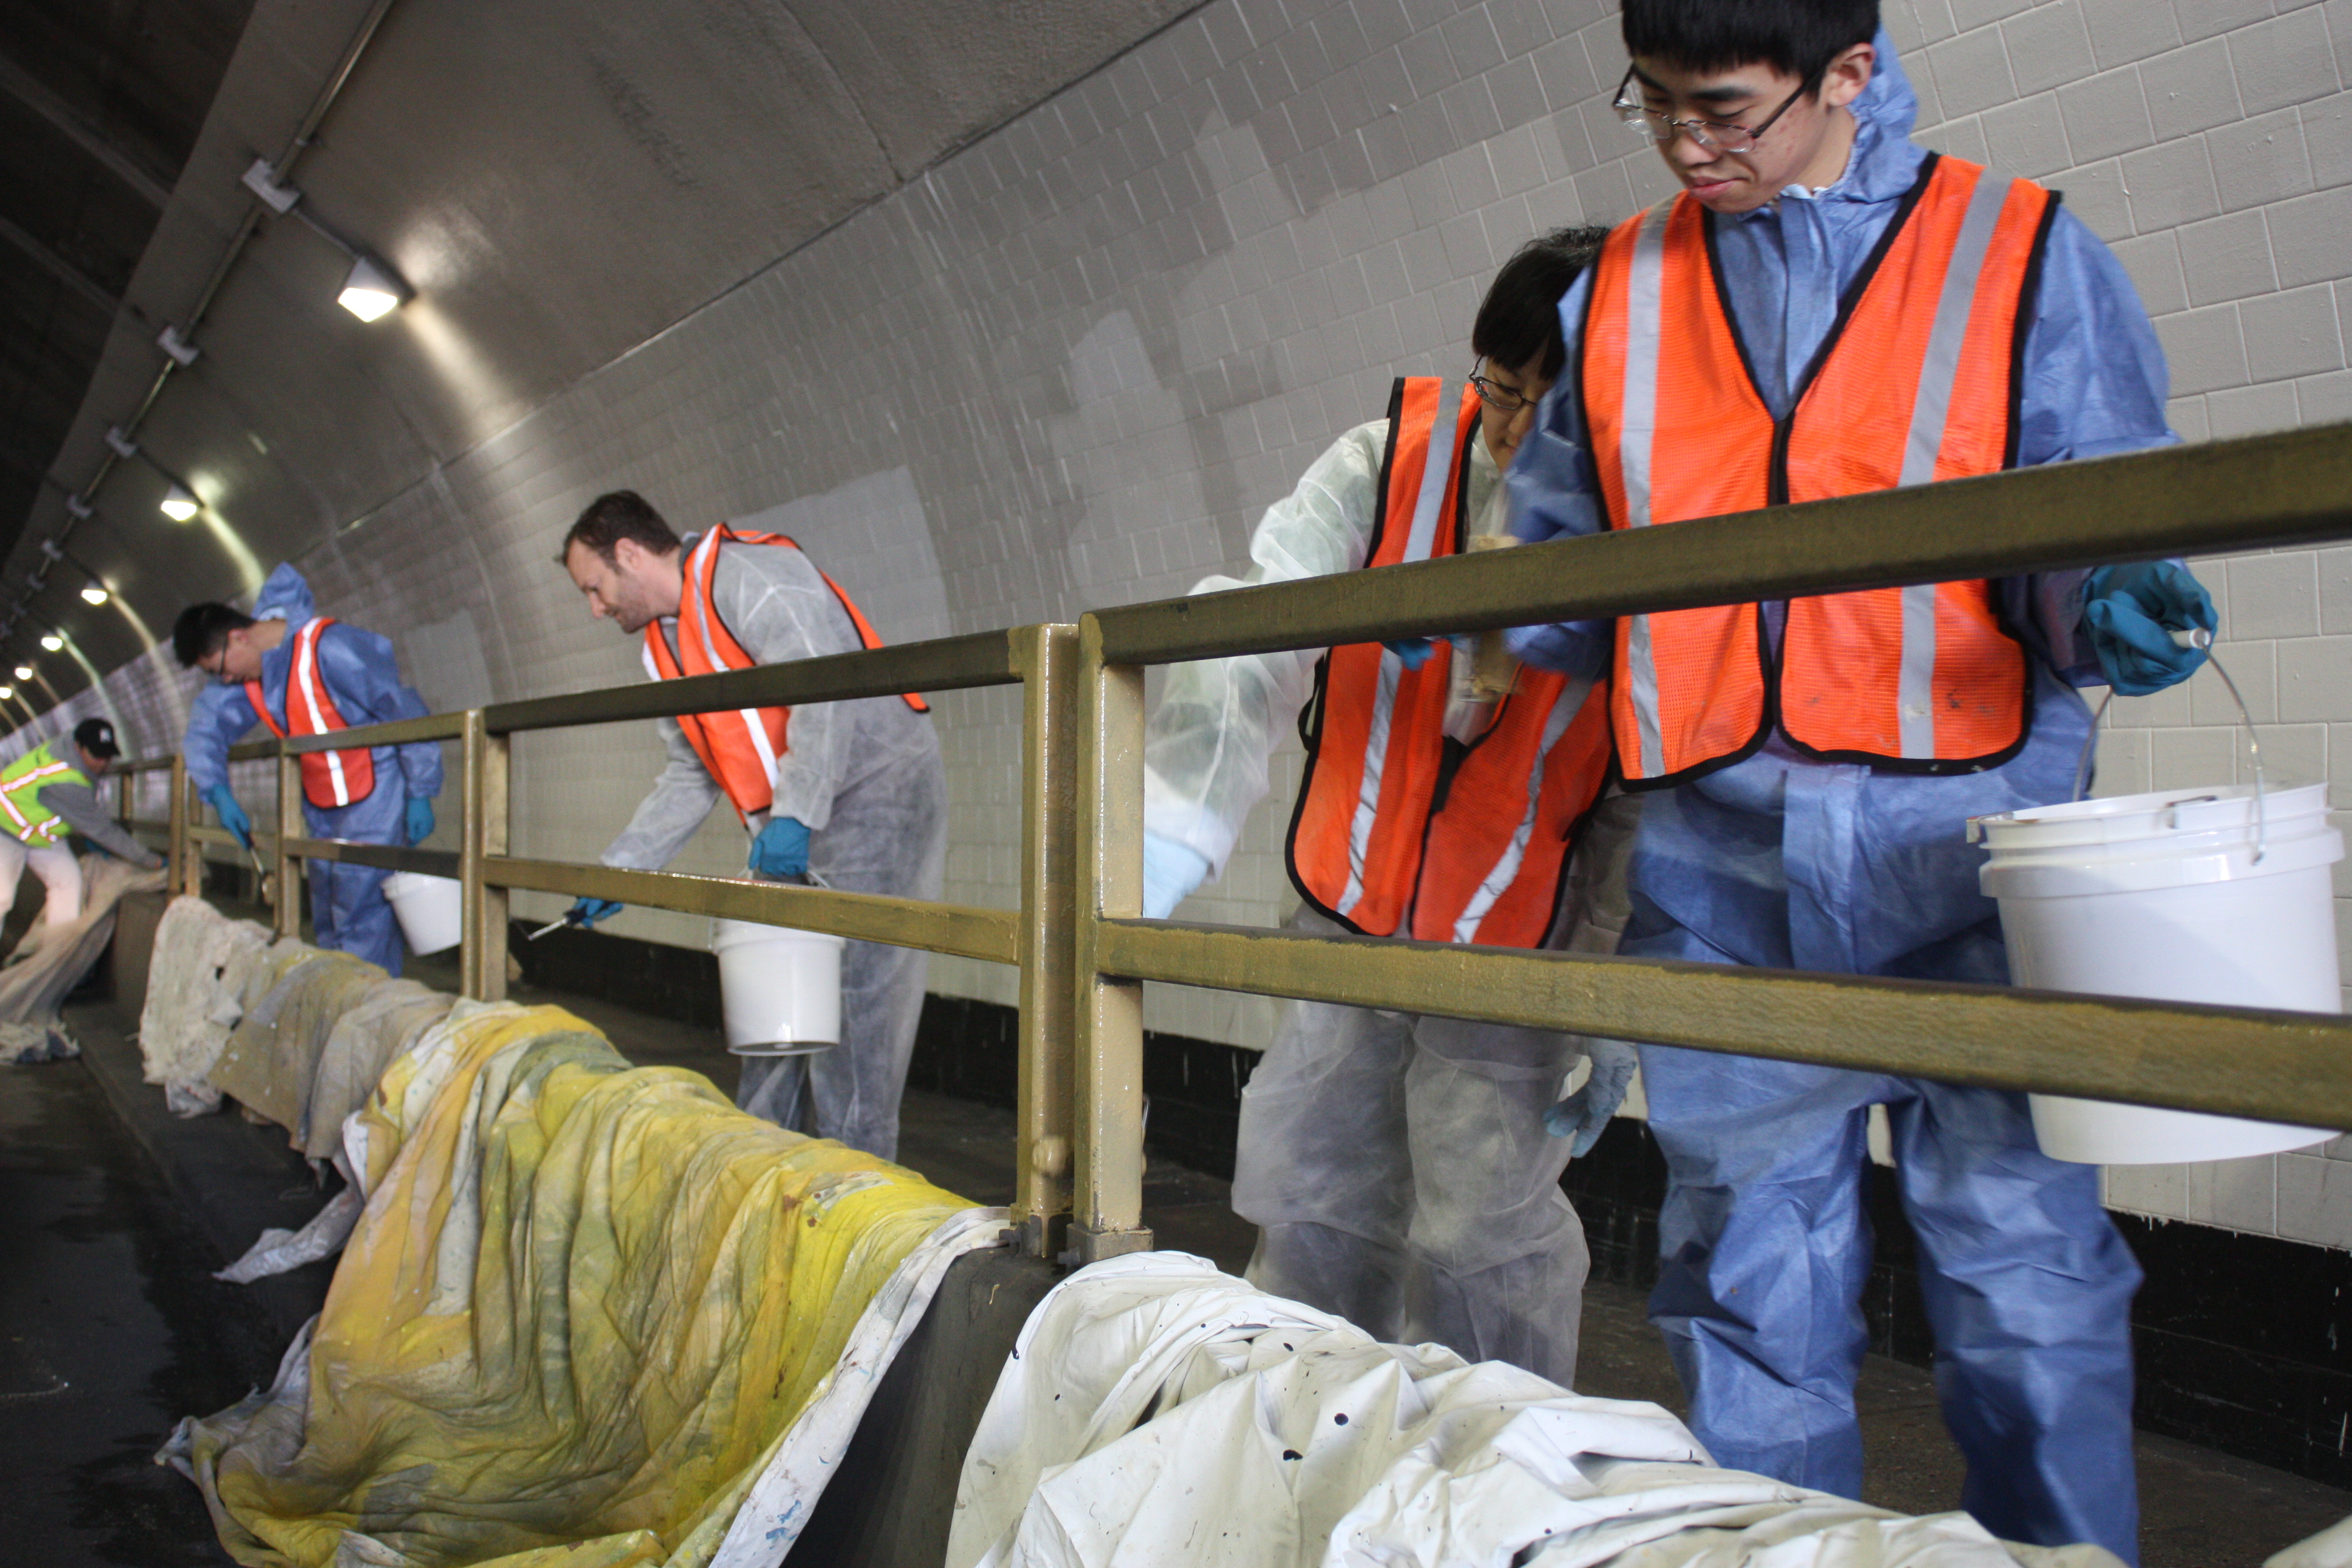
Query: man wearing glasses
[
  {"x": 1827, "y": 308},
  {"x": 1399, "y": 1168},
  {"x": 301, "y": 673}
]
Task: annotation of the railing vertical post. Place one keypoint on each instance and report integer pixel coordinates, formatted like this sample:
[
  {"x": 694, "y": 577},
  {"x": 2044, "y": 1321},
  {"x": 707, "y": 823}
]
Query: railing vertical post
[
  {"x": 1047, "y": 659},
  {"x": 290, "y": 827},
  {"x": 483, "y": 968},
  {"x": 176, "y": 809},
  {"x": 1109, "y": 1148}
]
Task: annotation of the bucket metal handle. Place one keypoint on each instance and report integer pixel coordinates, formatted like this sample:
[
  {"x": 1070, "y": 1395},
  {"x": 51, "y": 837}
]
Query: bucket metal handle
[{"x": 2197, "y": 636}]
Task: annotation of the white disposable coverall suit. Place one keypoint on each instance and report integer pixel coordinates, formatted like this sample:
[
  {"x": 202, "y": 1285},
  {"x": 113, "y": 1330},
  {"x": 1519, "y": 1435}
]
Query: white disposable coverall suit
[
  {"x": 866, "y": 779},
  {"x": 1397, "y": 1165}
]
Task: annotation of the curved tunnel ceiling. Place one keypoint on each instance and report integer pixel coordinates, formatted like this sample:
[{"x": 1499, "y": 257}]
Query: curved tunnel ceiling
[{"x": 558, "y": 182}]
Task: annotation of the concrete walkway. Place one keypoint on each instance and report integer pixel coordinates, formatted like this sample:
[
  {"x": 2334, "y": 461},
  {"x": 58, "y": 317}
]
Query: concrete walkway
[{"x": 110, "y": 1328}]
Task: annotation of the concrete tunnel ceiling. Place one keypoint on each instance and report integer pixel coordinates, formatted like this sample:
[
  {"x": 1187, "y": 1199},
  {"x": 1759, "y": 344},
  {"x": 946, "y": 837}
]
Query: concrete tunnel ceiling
[{"x": 558, "y": 182}]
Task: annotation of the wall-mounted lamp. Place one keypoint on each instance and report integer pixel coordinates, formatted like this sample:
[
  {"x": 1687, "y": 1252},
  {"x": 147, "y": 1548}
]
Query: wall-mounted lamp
[
  {"x": 24, "y": 672},
  {"x": 180, "y": 503},
  {"x": 94, "y": 593},
  {"x": 52, "y": 642},
  {"x": 7, "y": 694},
  {"x": 372, "y": 290}
]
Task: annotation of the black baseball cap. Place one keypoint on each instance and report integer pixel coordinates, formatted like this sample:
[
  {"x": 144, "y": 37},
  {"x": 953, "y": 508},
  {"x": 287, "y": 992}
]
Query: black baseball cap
[{"x": 96, "y": 736}]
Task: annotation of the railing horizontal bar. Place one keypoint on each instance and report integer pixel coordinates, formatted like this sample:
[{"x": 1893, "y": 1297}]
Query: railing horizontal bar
[
  {"x": 253, "y": 751},
  {"x": 398, "y": 732},
  {"x": 2292, "y": 488},
  {"x": 264, "y": 843},
  {"x": 387, "y": 856},
  {"x": 991, "y": 934},
  {"x": 2275, "y": 1067},
  {"x": 942, "y": 664},
  {"x": 138, "y": 764}
]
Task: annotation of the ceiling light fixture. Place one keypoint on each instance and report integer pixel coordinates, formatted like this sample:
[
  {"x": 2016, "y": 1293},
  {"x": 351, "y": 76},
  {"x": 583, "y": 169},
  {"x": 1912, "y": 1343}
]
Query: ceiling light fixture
[
  {"x": 7, "y": 694},
  {"x": 180, "y": 503},
  {"x": 95, "y": 592},
  {"x": 24, "y": 672},
  {"x": 372, "y": 290},
  {"x": 52, "y": 642}
]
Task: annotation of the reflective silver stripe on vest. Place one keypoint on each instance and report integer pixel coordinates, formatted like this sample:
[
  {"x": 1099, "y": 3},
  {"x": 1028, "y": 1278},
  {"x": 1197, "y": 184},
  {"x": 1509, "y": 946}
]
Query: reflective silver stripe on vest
[
  {"x": 1643, "y": 309},
  {"x": 707, "y": 611},
  {"x": 1421, "y": 538},
  {"x": 1930, "y": 411},
  {"x": 1506, "y": 870}
]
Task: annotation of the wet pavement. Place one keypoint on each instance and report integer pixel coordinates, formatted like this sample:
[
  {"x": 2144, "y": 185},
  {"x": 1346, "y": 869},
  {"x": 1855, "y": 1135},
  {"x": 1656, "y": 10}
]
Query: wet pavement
[{"x": 112, "y": 1215}]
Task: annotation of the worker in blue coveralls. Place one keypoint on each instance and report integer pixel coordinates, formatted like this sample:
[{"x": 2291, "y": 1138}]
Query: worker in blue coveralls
[
  {"x": 1825, "y": 309},
  {"x": 298, "y": 672}
]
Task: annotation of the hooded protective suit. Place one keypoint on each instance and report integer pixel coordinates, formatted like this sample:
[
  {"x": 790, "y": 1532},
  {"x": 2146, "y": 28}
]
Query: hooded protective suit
[
  {"x": 1783, "y": 861},
  {"x": 362, "y": 677},
  {"x": 1398, "y": 1165},
  {"x": 867, "y": 780}
]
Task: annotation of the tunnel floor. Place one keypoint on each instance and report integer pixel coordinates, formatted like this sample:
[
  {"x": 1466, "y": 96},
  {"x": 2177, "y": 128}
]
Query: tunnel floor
[{"x": 111, "y": 1327}]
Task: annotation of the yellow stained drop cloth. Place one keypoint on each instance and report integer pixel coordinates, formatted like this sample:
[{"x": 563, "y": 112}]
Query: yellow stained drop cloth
[{"x": 583, "y": 1307}]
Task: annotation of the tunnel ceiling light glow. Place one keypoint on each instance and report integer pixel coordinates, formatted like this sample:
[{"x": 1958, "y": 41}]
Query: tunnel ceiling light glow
[
  {"x": 7, "y": 694},
  {"x": 95, "y": 594},
  {"x": 51, "y": 641},
  {"x": 24, "y": 672},
  {"x": 179, "y": 504},
  {"x": 372, "y": 290}
]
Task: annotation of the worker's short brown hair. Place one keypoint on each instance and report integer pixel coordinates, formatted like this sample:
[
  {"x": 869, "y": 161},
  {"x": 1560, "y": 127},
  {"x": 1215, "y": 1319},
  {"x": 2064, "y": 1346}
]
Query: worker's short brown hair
[{"x": 610, "y": 518}]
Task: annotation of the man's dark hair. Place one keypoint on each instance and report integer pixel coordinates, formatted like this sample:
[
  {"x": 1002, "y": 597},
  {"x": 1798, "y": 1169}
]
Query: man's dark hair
[
  {"x": 1799, "y": 37},
  {"x": 610, "y": 518},
  {"x": 201, "y": 630},
  {"x": 1519, "y": 320}
]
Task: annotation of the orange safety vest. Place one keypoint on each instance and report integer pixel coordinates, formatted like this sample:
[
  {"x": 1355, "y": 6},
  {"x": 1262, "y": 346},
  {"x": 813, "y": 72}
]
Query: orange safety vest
[
  {"x": 328, "y": 778},
  {"x": 740, "y": 747},
  {"x": 1918, "y": 382},
  {"x": 1398, "y": 827}
]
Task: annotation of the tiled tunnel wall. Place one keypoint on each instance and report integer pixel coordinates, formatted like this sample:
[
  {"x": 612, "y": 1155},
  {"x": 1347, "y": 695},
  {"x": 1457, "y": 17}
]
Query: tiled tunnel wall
[{"x": 1070, "y": 367}]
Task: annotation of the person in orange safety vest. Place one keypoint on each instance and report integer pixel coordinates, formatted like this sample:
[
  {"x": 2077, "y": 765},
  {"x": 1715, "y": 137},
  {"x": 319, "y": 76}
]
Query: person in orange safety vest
[
  {"x": 851, "y": 794},
  {"x": 1399, "y": 1168}
]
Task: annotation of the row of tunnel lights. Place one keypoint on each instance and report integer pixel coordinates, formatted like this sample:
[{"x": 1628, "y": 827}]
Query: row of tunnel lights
[{"x": 372, "y": 290}]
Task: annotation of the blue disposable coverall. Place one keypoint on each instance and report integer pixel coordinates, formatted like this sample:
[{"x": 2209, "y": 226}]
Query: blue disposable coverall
[
  {"x": 347, "y": 903},
  {"x": 1786, "y": 862}
]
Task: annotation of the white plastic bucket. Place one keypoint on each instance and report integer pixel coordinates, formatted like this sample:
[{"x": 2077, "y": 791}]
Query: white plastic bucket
[
  {"x": 780, "y": 989},
  {"x": 431, "y": 910},
  {"x": 2162, "y": 896}
]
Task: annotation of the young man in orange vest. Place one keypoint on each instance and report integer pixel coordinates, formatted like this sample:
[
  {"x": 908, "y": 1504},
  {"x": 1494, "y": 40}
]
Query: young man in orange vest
[
  {"x": 1828, "y": 308},
  {"x": 852, "y": 794},
  {"x": 296, "y": 671},
  {"x": 1399, "y": 1168}
]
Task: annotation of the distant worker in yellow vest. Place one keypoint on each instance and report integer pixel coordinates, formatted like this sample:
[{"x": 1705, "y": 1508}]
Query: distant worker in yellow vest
[
  {"x": 1404, "y": 1170},
  {"x": 49, "y": 792},
  {"x": 852, "y": 795}
]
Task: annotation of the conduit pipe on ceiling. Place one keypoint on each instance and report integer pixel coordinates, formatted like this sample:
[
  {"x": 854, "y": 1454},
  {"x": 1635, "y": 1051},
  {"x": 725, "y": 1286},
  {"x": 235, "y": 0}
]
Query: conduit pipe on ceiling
[{"x": 184, "y": 334}]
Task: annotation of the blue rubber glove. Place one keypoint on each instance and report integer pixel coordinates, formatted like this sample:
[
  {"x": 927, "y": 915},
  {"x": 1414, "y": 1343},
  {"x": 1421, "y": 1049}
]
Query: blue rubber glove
[
  {"x": 781, "y": 852},
  {"x": 2131, "y": 612},
  {"x": 1171, "y": 871},
  {"x": 1413, "y": 651},
  {"x": 420, "y": 819},
  {"x": 1585, "y": 1114},
  {"x": 588, "y": 912},
  {"x": 232, "y": 815}
]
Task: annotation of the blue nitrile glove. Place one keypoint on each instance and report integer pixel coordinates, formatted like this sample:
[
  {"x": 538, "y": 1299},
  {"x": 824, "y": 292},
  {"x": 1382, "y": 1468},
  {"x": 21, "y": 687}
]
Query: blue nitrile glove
[
  {"x": 1413, "y": 651},
  {"x": 1585, "y": 1114},
  {"x": 420, "y": 819},
  {"x": 781, "y": 849},
  {"x": 232, "y": 815},
  {"x": 2131, "y": 612},
  {"x": 588, "y": 912},
  {"x": 1171, "y": 871}
]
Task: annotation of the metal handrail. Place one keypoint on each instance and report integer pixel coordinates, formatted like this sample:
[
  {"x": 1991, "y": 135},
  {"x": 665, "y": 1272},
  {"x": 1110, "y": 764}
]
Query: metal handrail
[{"x": 1083, "y": 954}]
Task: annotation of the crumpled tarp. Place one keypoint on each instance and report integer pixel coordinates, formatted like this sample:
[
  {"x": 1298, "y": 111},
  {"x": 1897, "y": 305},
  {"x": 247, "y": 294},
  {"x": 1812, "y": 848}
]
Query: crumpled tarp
[
  {"x": 50, "y": 960},
  {"x": 2331, "y": 1548},
  {"x": 387, "y": 1021},
  {"x": 293, "y": 1000},
  {"x": 1157, "y": 1412},
  {"x": 587, "y": 1312},
  {"x": 194, "y": 986}
]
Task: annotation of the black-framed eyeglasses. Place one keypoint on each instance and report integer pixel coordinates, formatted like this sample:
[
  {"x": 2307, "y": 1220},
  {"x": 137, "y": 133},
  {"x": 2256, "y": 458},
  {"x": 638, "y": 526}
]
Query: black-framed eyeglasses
[
  {"x": 1660, "y": 128},
  {"x": 1503, "y": 400}
]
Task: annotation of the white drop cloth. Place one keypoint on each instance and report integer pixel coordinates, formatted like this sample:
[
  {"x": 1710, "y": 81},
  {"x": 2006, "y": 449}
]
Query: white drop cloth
[
  {"x": 192, "y": 999},
  {"x": 1157, "y": 1412}
]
